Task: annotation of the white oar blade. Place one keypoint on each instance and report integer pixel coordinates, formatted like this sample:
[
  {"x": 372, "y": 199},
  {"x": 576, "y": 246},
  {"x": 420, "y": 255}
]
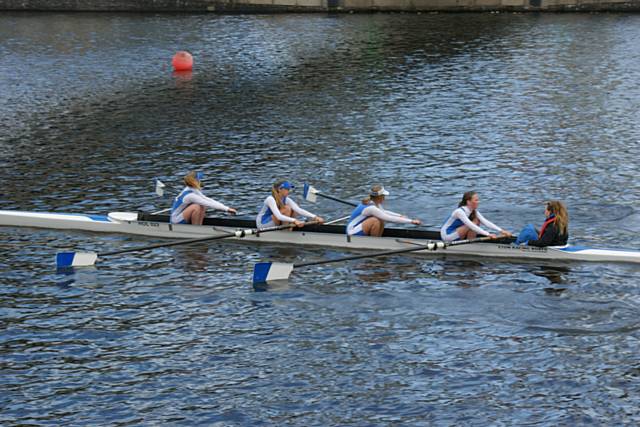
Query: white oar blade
[
  {"x": 75, "y": 259},
  {"x": 264, "y": 272},
  {"x": 160, "y": 188},
  {"x": 309, "y": 193}
]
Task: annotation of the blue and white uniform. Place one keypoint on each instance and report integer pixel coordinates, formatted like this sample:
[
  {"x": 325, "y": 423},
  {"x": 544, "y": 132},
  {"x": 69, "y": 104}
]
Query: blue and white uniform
[
  {"x": 189, "y": 196},
  {"x": 270, "y": 207},
  {"x": 362, "y": 212},
  {"x": 460, "y": 217}
]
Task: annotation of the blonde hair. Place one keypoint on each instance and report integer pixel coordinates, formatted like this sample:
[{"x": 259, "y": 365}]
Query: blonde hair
[
  {"x": 274, "y": 193},
  {"x": 190, "y": 180},
  {"x": 376, "y": 188},
  {"x": 558, "y": 209}
]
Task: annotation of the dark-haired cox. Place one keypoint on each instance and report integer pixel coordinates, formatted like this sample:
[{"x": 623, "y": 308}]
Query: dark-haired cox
[
  {"x": 190, "y": 206},
  {"x": 368, "y": 218},
  {"x": 464, "y": 222},
  {"x": 554, "y": 230},
  {"x": 279, "y": 208}
]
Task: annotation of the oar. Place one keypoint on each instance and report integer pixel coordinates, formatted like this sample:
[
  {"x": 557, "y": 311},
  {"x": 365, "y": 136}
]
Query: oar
[
  {"x": 160, "y": 211},
  {"x": 264, "y": 272},
  {"x": 310, "y": 193},
  {"x": 85, "y": 259},
  {"x": 336, "y": 220},
  {"x": 160, "y": 186}
]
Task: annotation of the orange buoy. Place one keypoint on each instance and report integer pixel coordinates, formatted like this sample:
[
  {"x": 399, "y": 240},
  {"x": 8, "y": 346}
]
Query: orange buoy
[{"x": 182, "y": 61}]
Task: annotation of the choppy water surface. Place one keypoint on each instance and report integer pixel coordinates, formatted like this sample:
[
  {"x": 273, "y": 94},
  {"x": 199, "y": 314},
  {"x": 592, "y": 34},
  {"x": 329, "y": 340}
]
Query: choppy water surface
[{"x": 521, "y": 107}]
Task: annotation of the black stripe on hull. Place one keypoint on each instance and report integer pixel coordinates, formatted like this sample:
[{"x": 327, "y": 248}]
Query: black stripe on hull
[{"x": 399, "y": 233}]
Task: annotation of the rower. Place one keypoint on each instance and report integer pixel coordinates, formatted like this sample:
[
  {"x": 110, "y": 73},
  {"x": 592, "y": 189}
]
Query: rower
[
  {"x": 464, "y": 222},
  {"x": 190, "y": 205},
  {"x": 554, "y": 230},
  {"x": 279, "y": 208},
  {"x": 369, "y": 216}
]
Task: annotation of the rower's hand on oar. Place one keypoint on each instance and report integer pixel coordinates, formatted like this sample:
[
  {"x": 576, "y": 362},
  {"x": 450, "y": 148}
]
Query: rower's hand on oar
[
  {"x": 505, "y": 233},
  {"x": 416, "y": 222},
  {"x": 232, "y": 211},
  {"x": 298, "y": 223},
  {"x": 318, "y": 219},
  {"x": 492, "y": 236}
]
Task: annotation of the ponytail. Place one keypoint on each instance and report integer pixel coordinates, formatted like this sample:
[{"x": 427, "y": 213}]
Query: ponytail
[
  {"x": 191, "y": 180},
  {"x": 465, "y": 198},
  {"x": 372, "y": 197},
  {"x": 274, "y": 193}
]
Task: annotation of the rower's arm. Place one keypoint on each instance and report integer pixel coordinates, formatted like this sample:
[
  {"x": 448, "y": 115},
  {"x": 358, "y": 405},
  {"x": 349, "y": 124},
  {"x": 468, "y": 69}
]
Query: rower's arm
[
  {"x": 297, "y": 209},
  {"x": 484, "y": 221},
  {"x": 394, "y": 213},
  {"x": 271, "y": 202},
  {"x": 459, "y": 213},
  {"x": 205, "y": 201},
  {"x": 385, "y": 216}
]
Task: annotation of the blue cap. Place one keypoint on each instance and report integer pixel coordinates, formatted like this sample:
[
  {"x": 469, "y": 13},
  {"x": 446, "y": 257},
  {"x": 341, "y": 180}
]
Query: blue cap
[
  {"x": 199, "y": 176},
  {"x": 287, "y": 186}
]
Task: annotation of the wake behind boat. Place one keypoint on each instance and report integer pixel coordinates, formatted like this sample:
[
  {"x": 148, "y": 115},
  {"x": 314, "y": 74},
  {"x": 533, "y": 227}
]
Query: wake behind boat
[{"x": 150, "y": 225}]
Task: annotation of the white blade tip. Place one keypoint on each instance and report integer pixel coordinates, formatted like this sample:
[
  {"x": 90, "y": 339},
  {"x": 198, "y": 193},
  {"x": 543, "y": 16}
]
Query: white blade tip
[{"x": 160, "y": 188}]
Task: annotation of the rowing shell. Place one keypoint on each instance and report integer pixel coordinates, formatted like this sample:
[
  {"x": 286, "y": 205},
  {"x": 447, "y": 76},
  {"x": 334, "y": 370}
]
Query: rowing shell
[{"x": 144, "y": 224}]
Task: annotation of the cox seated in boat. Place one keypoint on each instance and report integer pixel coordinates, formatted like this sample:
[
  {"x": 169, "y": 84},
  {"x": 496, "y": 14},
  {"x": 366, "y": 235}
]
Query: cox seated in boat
[
  {"x": 190, "y": 205},
  {"x": 464, "y": 222},
  {"x": 554, "y": 230},
  {"x": 280, "y": 209},
  {"x": 369, "y": 217}
]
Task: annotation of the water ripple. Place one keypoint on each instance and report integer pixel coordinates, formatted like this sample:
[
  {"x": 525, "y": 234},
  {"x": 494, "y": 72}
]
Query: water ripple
[{"x": 521, "y": 107}]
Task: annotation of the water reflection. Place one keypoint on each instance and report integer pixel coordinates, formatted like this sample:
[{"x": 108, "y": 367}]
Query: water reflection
[
  {"x": 555, "y": 275},
  {"x": 522, "y": 108}
]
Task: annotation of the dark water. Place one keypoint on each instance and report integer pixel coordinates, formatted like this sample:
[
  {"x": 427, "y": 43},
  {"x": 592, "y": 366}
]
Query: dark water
[{"x": 523, "y": 108}]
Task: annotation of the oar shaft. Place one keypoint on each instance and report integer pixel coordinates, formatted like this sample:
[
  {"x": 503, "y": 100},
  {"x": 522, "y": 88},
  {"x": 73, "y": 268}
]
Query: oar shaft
[
  {"x": 240, "y": 233},
  {"x": 337, "y": 200},
  {"x": 352, "y": 257},
  {"x": 337, "y": 220},
  {"x": 392, "y": 252},
  {"x": 162, "y": 211},
  {"x": 166, "y": 245}
]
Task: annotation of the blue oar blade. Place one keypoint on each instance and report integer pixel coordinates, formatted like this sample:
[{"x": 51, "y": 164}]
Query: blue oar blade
[
  {"x": 309, "y": 193},
  {"x": 264, "y": 272},
  {"x": 75, "y": 259}
]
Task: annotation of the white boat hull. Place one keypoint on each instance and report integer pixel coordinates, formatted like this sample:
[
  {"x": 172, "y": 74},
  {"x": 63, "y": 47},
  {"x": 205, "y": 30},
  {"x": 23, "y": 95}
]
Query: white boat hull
[{"x": 128, "y": 223}]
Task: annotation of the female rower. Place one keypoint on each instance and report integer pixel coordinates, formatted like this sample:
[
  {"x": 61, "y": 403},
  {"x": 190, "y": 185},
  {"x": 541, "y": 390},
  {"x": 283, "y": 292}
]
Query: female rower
[
  {"x": 464, "y": 222},
  {"x": 368, "y": 218},
  {"x": 190, "y": 205},
  {"x": 279, "y": 208},
  {"x": 554, "y": 230}
]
